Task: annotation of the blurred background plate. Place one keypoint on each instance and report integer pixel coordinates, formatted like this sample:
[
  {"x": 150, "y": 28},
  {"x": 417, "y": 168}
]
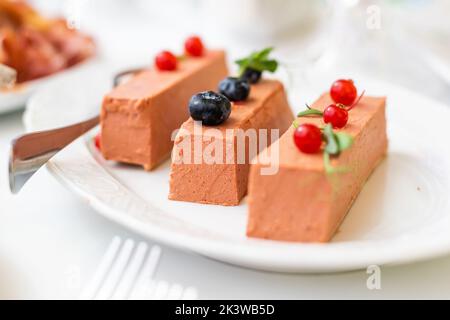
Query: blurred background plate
[{"x": 17, "y": 97}]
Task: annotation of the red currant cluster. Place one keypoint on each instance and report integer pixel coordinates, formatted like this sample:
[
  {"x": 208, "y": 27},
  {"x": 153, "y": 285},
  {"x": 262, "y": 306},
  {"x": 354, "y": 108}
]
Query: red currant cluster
[
  {"x": 308, "y": 137},
  {"x": 167, "y": 61}
]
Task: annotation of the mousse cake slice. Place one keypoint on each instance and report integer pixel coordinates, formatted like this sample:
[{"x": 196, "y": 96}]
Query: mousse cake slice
[
  {"x": 139, "y": 117},
  {"x": 302, "y": 202},
  {"x": 224, "y": 182}
]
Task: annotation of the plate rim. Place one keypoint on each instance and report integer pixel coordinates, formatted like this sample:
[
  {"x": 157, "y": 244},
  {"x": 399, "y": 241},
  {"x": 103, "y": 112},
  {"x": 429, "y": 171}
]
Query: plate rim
[{"x": 18, "y": 99}]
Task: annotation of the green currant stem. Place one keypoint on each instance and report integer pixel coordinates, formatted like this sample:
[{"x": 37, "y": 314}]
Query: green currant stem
[{"x": 332, "y": 145}]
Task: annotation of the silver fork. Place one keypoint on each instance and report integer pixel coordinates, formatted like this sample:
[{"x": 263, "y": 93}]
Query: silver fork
[{"x": 126, "y": 272}]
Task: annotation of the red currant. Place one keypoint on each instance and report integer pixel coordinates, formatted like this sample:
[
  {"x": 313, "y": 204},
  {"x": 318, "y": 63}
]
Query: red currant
[
  {"x": 194, "y": 46},
  {"x": 344, "y": 92},
  {"x": 166, "y": 61},
  {"x": 336, "y": 115},
  {"x": 308, "y": 138},
  {"x": 97, "y": 141}
]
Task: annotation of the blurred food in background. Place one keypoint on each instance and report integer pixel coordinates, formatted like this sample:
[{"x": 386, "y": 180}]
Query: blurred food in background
[{"x": 36, "y": 46}]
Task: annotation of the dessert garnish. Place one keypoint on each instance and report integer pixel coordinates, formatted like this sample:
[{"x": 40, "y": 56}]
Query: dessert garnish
[
  {"x": 209, "y": 107},
  {"x": 344, "y": 92},
  {"x": 235, "y": 89},
  {"x": 337, "y": 114},
  {"x": 193, "y": 46},
  {"x": 251, "y": 67},
  {"x": 97, "y": 141},
  {"x": 336, "y": 142},
  {"x": 309, "y": 139},
  {"x": 166, "y": 61},
  {"x": 251, "y": 75}
]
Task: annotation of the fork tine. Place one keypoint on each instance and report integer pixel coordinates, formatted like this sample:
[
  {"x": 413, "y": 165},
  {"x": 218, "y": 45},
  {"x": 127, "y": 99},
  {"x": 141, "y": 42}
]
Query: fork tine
[
  {"x": 116, "y": 271},
  {"x": 161, "y": 291},
  {"x": 175, "y": 292},
  {"x": 130, "y": 274},
  {"x": 144, "y": 279},
  {"x": 145, "y": 290},
  {"x": 102, "y": 270},
  {"x": 190, "y": 293}
]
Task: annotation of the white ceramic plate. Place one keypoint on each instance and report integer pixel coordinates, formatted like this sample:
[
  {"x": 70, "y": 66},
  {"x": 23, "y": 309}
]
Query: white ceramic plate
[
  {"x": 401, "y": 216},
  {"x": 16, "y": 98}
]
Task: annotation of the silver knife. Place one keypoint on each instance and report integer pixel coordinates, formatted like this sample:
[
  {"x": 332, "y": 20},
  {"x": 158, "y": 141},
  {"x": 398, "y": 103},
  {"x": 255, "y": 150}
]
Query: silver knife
[{"x": 31, "y": 151}]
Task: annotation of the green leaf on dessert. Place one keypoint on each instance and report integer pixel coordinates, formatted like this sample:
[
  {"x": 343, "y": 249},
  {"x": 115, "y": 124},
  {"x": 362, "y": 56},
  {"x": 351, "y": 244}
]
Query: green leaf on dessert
[
  {"x": 263, "y": 54},
  {"x": 259, "y": 61},
  {"x": 329, "y": 169},
  {"x": 345, "y": 141},
  {"x": 332, "y": 147},
  {"x": 310, "y": 112},
  {"x": 241, "y": 62},
  {"x": 265, "y": 65},
  {"x": 336, "y": 143}
]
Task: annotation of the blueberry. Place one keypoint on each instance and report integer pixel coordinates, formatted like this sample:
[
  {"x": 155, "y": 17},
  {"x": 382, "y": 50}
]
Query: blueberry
[
  {"x": 210, "y": 108},
  {"x": 235, "y": 89},
  {"x": 251, "y": 75}
]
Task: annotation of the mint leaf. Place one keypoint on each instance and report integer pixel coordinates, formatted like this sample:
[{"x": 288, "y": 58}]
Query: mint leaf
[
  {"x": 263, "y": 54},
  {"x": 265, "y": 65},
  {"x": 310, "y": 112},
  {"x": 329, "y": 169},
  {"x": 242, "y": 62},
  {"x": 345, "y": 141},
  {"x": 332, "y": 147},
  {"x": 336, "y": 143},
  {"x": 258, "y": 61}
]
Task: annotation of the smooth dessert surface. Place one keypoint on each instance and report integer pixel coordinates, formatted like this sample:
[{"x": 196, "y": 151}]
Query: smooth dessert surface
[
  {"x": 139, "y": 117},
  {"x": 150, "y": 83},
  {"x": 302, "y": 202},
  {"x": 226, "y": 183}
]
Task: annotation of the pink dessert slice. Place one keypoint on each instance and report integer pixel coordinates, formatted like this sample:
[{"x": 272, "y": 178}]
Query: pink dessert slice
[
  {"x": 302, "y": 203},
  {"x": 139, "y": 117},
  {"x": 226, "y": 183}
]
